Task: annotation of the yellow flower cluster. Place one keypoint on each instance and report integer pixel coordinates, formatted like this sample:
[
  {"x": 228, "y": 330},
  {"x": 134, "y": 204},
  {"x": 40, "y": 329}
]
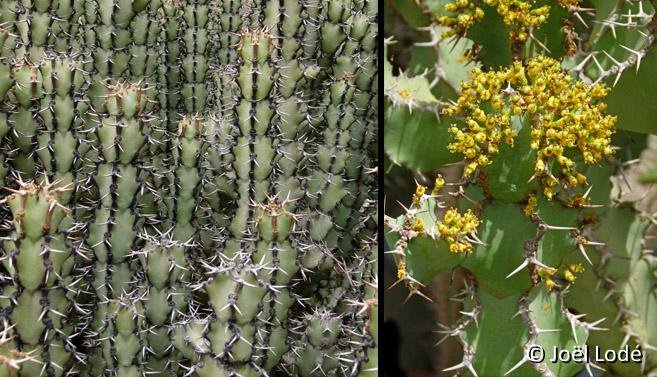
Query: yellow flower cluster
[
  {"x": 466, "y": 14},
  {"x": 455, "y": 227},
  {"x": 564, "y": 116},
  {"x": 518, "y": 13},
  {"x": 568, "y": 273}
]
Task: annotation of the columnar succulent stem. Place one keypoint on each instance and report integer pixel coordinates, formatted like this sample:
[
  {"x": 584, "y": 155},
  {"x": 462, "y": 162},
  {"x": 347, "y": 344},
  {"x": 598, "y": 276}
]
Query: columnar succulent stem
[
  {"x": 120, "y": 131},
  {"x": 35, "y": 304}
]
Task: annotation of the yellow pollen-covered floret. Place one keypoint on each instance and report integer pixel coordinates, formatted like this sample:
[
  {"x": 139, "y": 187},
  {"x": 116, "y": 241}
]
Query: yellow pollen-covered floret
[
  {"x": 419, "y": 192},
  {"x": 405, "y": 94},
  {"x": 440, "y": 182},
  {"x": 546, "y": 275},
  {"x": 530, "y": 208},
  {"x": 577, "y": 201},
  {"x": 418, "y": 225},
  {"x": 401, "y": 270},
  {"x": 455, "y": 227},
  {"x": 569, "y": 273},
  {"x": 565, "y": 116}
]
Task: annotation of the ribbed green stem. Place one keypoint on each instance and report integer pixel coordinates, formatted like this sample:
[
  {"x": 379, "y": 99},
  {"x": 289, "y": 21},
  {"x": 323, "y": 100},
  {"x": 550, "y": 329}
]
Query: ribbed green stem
[
  {"x": 368, "y": 313},
  {"x": 114, "y": 230},
  {"x": 166, "y": 255},
  {"x": 35, "y": 303}
]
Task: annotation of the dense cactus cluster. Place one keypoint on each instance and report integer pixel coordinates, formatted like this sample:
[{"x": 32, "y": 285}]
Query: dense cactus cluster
[
  {"x": 188, "y": 187},
  {"x": 539, "y": 230}
]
